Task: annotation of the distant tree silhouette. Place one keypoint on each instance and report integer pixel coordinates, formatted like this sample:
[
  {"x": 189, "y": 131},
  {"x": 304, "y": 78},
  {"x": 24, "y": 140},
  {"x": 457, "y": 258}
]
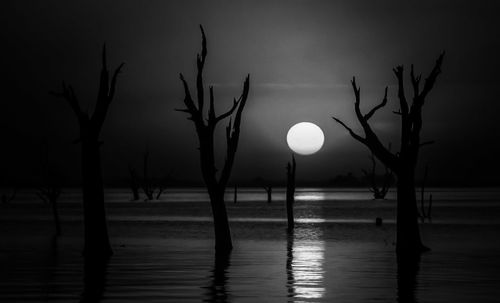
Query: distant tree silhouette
[
  {"x": 378, "y": 192},
  {"x": 269, "y": 192},
  {"x": 50, "y": 190},
  {"x": 290, "y": 192},
  {"x": 267, "y": 187},
  {"x": 134, "y": 183},
  {"x": 153, "y": 188},
  {"x": 205, "y": 128},
  {"x": 147, "y": 184},
  {"x": 404, "y": 162},
  {"x": 96, "y": 232}
]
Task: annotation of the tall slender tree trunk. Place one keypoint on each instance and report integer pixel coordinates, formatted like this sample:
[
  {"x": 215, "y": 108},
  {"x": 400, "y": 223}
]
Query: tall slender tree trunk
[
  {"x": 97, "y": 245},
  {"x": 205, "y": 129},
  {"x": 290, "y": 193},
  {"x": 408, "y": 234},
  {"x": 269, "y": 194},
  {"x": 96, "y": 232},
  {"x": 223, "y": 242},
  {"x": 289, "y": 210}
]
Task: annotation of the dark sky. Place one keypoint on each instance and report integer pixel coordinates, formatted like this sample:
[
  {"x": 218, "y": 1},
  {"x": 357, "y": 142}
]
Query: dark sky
[{"x": 301, "y": 56}]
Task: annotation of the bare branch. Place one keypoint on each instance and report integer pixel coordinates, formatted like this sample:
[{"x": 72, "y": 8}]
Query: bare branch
[
  {"x": 382, "y": 104},
  {"x": 415, "y": 81},
  {"x": 200, "y": 63},
  {"x": 431, "y": 79},
  {"x": 357, "y": 101},
  {"x": 187, "y": 97},
  {"x": 118, "y": 70},
  {"x": 211, "y": 110},
  {"x": 229, "y": 112},
  {"x": 351, "y": 132},
  {"x": 103, "y": 81},
  {"x": 184, "y": 110},
  {"x": 233, "y": 136},
  {"x": 398, "y": 71},
  {"x": 106, "y": 92}
]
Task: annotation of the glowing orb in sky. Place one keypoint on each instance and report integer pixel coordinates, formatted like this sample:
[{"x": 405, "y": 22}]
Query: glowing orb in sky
[{"x": 305, "y": 138}]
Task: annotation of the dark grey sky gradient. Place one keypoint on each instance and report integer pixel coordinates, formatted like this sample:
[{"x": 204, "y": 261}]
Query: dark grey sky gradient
[{"x": 301, "y": 56}]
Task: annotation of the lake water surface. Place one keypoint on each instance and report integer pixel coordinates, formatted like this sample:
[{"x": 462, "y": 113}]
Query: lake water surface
[{"x": 164, "y": 250}]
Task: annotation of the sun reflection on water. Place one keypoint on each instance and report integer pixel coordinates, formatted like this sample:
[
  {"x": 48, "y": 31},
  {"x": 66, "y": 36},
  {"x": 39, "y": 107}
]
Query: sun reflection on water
[
  {"x": 310, "y": 196},
  {"x": 305, "y": 260}
]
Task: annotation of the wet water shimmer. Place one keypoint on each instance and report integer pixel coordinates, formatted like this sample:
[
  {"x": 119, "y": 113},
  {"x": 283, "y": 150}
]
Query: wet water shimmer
[{"x": 326, "y": 259}]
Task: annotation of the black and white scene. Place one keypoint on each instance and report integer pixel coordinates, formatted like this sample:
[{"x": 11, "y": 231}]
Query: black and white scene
[{"x": 250, "y": 151}]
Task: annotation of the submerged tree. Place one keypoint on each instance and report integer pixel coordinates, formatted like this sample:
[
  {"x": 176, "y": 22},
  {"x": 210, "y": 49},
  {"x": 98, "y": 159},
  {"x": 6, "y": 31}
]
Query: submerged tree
[
  {"x": 404, "y": 162},
  {"x": 267, "y": 186},
  {"x": 96, "y": 232},
  {"x": 290, "y": 193},
  {"x": 50, "y": 189},
  {"x": 134, "y": 183},
  {"x": 205, "y": 128},
  {"x": 147, "y": 183}
]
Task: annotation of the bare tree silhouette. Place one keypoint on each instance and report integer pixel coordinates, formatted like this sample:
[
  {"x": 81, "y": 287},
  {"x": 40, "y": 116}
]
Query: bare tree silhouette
[
  {"x": 147, "y": 184},
  {"x": 404, "y": 162},
  {"x": 269, "y": 193},
  {"x": 205, "y": 128},
  {"x": 96, "y": 231},
  {"x": 152, "y": 187},
  {"x": 378, "y": 192},
  {"x": 50, "y": 189},
  {"x": 290, "y": 193},
  {"x": 134, "y": 183},
  {"x": 267, "y": 186}
]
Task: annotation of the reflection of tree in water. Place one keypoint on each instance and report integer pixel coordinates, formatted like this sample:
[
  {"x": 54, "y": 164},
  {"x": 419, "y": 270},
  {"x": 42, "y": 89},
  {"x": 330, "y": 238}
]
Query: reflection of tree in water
[
  {"x": 290, "y": 281},
  {"x": 217, "y": 291},
  {"x": 94, "y": 279},
  {"x": 408, "y": 267},
  {"x": 304, "y": 264}
]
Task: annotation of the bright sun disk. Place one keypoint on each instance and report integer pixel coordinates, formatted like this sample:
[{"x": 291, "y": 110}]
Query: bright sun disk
[{"x": 305, "y": 138}]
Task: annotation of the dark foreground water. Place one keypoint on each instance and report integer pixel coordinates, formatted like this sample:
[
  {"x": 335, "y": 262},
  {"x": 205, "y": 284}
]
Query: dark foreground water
[{"x": 164, "y": 251}]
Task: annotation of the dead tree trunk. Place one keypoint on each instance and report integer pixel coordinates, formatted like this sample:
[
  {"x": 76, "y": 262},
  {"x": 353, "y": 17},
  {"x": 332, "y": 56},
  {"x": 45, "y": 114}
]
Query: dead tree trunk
[
  {"x": 269, "y": 192},
  {"x": 147, "y": 183},
  {"x": 205, "y": 128},
  {"x": 404, "y": 162},
  {"x": 290, "y": 193},
  {"x": 97, "y": 244},
  {"x": 267, "y": 187}
]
